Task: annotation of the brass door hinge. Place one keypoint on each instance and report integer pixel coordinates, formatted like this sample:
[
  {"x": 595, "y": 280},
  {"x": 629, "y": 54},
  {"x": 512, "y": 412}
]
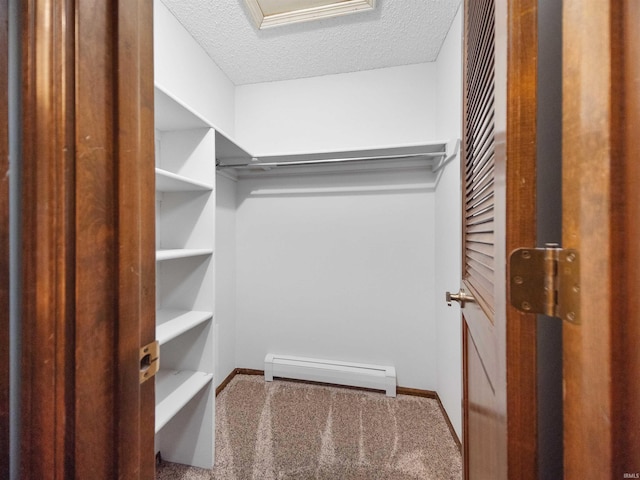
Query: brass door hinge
[
  {"x": 149, "y": 361},
  {"x": 547, "y": 281}
]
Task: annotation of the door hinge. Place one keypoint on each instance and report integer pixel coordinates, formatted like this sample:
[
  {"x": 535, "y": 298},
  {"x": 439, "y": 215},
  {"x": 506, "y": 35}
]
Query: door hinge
[
  {"x": 149, "y": 361},
  {"x": 547, "y": 281}
]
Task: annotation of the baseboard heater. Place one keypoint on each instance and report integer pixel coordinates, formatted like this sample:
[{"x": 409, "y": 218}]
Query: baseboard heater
[{"x": 377, "y": 377}]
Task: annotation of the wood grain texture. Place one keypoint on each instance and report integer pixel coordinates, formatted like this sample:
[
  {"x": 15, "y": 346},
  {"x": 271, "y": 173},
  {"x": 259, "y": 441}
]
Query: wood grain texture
[
  {"x": 522, "y": 78},
  {"x": 628, "y": 392},
  {"x": 586, "y": 227},
  {"x": 452, "y": 430},
  {"x": 485, "y": 431},
  {"x": 500, "y": 344},
  {"x": 4, "y": 242},
  {"x": 600, "y": 130},
  {"x": 47, "y": 240},
  {"x": 88, "y": 238},
  {"x": 96, "y": 298},
  {"x": 136, "y": 235},
  {"x": 484, "y": 394},
  {"x": 465, "y": 399}
]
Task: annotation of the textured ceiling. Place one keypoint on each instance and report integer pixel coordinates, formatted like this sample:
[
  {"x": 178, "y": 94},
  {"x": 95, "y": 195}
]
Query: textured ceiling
[{"x": 397, "y": 32}]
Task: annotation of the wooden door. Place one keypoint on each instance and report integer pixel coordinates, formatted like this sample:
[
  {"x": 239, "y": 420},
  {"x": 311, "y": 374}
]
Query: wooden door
[
  {"x": 601, "y": 194},
  {"x": 87, "y": 239},
  {"x": 498, "y": 175}
]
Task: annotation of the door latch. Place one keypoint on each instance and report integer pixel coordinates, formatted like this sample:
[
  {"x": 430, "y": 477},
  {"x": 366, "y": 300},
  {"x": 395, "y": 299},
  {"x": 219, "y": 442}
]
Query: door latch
[
  {"x": 546, "y": 281},
  {"x": 461, "y": 297},
  {"x": 149, "y": 361}
]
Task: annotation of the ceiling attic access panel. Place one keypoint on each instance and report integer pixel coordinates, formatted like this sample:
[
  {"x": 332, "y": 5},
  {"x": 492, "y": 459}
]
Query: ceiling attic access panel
[{"x": 271, "y": 13}]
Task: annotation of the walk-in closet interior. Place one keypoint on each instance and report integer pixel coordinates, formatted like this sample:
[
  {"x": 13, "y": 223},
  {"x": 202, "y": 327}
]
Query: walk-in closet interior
[{"x": 342, "y": 256}]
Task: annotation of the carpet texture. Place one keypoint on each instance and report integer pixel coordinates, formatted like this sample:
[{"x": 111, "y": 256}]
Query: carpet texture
[{"x": 294, "y": 431}]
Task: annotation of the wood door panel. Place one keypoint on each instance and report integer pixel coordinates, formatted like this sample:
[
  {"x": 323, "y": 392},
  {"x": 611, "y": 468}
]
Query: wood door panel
[
  {"x": 481, "y": 425},
  {"x": 485, "y": 340},
  {"x": 498, "y": 173}
]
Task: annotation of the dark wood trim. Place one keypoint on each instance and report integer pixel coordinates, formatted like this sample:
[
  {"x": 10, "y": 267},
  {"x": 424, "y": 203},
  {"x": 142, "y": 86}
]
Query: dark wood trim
[
  {"x": 463, "y": 325},
  {"x": 237, "y": 371},
  {"x": 521, "y": 330},
  {"x": 465, "y": 398},
  {"x": 88, "y": 243},
  {"x": 452, "y": 430},
  {"x": 416, "y": 392},
  {"x": 601, "y": 120},
  {"x": 587, "y": 126},
  {"x": 135, "y": 164},
  {"x": 48, "y": 239},
  {"x": 628, "y": 256},
  {"x": 226, "y": 381},
  {"x": 4, "y": 242},
  {"x": 249, "y": 371}
]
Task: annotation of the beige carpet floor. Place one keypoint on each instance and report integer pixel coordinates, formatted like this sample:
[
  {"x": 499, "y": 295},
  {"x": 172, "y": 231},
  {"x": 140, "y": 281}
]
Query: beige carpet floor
[{"x": 285, "y": 430}]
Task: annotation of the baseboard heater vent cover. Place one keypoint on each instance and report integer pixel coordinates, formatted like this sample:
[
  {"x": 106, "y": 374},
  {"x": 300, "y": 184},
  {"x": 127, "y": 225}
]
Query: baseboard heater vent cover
[{"x": 378, "y": 377}]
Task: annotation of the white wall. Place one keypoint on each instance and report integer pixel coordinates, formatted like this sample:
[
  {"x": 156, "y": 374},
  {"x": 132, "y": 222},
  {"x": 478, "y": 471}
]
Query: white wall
[
  {"x": 340, "y": 275},
  {"x": 339, "y": 112},
  {"x": 225, "y": 258},
  {"x": 183, "y": 69},
  {"x": 316, "y": 269},
  {"x": 338, "y": 267},
  {"x": 447, "y": 228}
]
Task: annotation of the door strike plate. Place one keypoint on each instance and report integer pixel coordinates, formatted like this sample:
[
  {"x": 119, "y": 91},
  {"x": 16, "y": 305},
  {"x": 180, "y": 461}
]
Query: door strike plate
[
  {"x": 546, "y": 281},
  {"x": 149, "y": 361}
]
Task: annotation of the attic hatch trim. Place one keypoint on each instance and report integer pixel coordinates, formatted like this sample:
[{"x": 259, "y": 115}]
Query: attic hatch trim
[{"x": 338, "y": 8}]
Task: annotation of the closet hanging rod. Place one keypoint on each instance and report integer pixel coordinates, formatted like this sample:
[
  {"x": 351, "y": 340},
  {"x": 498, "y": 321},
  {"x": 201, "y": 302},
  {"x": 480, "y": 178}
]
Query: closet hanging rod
[{"x": 300, "y": 163}]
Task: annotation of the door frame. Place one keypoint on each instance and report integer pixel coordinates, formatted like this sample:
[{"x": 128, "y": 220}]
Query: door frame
[
  {"x": 88, "y": 264},
  {"x": 521, "y": 191},
  {"x": 601, "y": 120}
]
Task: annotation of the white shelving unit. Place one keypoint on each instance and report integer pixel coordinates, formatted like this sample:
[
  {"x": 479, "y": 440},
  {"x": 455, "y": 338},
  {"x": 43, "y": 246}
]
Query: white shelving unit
[
  {"x": 185, "y": 212},
  {"x": 170, "y": 182},
  {"x": 171, "y": 322},
  {"x": 173, "y": 253},
  {"x": 174, "y": 390}
]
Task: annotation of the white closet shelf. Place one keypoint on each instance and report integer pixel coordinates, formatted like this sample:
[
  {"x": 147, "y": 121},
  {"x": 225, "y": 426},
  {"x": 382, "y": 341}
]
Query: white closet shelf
[
  {"x": 171, "y": 182},
  {"x": 428, "y": 155},
  {"x": 173, "y": 114},
  {"x": 173, "y": 322},
  {"x": 170, "y": 254},
  {"x": 174, "y": 389}
]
